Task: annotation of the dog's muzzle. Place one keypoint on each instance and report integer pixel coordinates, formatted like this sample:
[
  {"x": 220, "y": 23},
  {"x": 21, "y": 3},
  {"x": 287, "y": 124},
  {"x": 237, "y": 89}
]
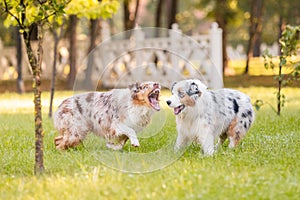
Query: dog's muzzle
[
  {"x": 153, "y": 97},
  {"x": 177, "y": 109}
]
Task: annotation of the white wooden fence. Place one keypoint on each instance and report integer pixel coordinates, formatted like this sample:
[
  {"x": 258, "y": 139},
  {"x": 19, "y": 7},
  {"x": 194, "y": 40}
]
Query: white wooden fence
[{"x": 119, "y": 62}]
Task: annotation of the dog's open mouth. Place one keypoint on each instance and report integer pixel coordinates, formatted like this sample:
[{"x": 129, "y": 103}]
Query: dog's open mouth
[
  {"x": 153, "y": 99},
  {"x": 178, "y": 109}
]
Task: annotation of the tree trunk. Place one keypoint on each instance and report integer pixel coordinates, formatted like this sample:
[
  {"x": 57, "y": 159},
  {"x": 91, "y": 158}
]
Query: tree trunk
[
  {"x": 158, "y": 16},
  {"x": 53, "y": 79},
  {"x": 224, "y": 46},
  {"x": 94, "y": 26},
  {"x": 136, "y": 12},
  {"x": 281, "y": 26},
  {"x": 221, "y": 20},
  {"x": 257, "y": 43},
  {"x": 36, "y": 69},
  {"x": 126, "y": 14},
  {"x": 222, "y": 23},
  {"x": 72, "y": 50},
  {"x": 128, "y": 23},
  {"x": 20, "y": 82},
  {"x": 257, "y": 7},
  {"x": 280, "y": 77},
  {"x": 172, "y": 11}
]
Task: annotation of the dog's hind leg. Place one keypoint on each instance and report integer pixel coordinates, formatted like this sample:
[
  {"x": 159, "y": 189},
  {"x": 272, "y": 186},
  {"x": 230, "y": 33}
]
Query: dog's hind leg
[
  {"x": 235, "y": 133},
  {"x": 221, "y": 140},
  {"x": 63, "y": 142},
  {"x": 68, "y": 139}
]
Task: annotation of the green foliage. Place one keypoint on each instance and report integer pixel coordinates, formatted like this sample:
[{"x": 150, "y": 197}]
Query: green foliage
[
  {"x": 191, "y": 12},
  {"x": 289, "y": 41},
  {"x": 27, "y": 12},
  {"x": 32, "y": 11},
  {"x": 289, "y": 44},
  {"x": 264, "y": 166},
  {"x": 228, "y": 8},
  {"x": 92, "y": 9},
  {"x": 287, "y": 10}
]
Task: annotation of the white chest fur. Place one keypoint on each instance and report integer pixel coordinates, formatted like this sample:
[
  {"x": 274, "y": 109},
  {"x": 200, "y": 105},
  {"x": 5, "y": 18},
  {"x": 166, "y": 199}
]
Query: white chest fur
[{"x": 138, "y": 117}]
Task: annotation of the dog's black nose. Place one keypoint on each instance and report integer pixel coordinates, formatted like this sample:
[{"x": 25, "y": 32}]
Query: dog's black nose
[{"x": 169, "y": 102}]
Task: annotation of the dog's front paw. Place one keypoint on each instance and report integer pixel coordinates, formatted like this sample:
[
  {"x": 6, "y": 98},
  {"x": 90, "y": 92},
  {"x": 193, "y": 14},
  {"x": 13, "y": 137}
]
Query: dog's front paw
[{"x": 135, "y": 142}]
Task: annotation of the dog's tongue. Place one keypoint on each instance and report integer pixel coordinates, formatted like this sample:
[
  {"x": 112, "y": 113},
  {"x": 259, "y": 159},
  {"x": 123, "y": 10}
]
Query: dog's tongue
[
  {"x": 155, "y": 104},
  {"x": 177, "y": 110}
]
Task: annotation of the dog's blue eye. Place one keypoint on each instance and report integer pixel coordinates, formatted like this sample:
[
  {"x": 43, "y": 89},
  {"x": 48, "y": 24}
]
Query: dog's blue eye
[{"x": 181, "y": 94}]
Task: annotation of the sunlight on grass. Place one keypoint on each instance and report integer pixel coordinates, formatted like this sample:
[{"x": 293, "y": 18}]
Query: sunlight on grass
[
  {"x": 15, "y": 103},
  {"x": 264, "y": 166},
  {"x": 256, "y": 66}
]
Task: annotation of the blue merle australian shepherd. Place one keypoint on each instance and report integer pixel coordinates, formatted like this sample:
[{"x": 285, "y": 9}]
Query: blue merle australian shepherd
[{"x": 204, "y": 115}]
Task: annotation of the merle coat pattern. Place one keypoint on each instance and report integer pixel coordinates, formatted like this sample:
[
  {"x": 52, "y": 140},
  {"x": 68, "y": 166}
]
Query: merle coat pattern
[
  {"x": 116, "y": 115},
  {"x": 204, "y": 115}
]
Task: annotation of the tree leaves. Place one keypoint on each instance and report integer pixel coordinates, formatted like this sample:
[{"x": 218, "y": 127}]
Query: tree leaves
[
  {"x": 289, "y": 40},
  {"x": 27, "y": 12},
  {"x": 289, "y": 44},
  {"x": 92, "y": 9}
]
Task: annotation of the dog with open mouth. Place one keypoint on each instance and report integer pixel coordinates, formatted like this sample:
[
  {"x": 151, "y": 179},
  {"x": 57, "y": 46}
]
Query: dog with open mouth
[
  {"x": 116, "y": 115},
  {"x": 204, "y": 115}
]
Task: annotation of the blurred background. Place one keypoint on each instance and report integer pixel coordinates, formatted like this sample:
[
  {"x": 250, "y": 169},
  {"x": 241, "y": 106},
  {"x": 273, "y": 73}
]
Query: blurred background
[{"x": 249, "y": 27}]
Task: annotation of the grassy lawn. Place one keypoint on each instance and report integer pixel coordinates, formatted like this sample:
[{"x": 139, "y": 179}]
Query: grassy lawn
[
  {"x": 264, "y": 166},
  {"x": 256, "y": 66}
]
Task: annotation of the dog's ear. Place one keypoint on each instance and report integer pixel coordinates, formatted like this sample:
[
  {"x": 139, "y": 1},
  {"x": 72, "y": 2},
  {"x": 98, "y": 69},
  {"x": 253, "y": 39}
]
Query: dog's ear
[
  {"x": 193, "y": 89},
  {"x": 135, "y": 87},
  {"x": 172, "y": 86}
]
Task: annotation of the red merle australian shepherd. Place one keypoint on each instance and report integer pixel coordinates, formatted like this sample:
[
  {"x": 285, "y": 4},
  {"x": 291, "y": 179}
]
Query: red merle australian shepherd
[{"x": 116, "y": 115}]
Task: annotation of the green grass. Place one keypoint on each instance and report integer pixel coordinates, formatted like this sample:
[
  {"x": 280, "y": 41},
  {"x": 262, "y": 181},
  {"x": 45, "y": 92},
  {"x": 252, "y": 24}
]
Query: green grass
[
  {"x": 257, "y": 68},
  {"x": 264, "y": 166}
]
